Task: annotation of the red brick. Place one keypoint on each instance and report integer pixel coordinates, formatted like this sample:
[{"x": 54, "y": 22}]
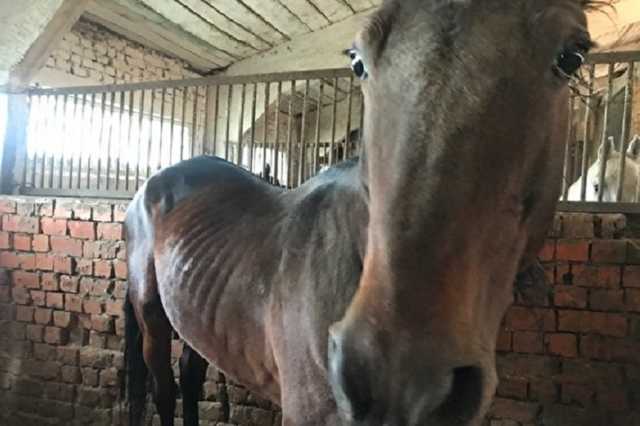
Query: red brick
[
  {"x": 66, "y": 246},
  {"x": 55, "y": 335},
  {"x": 9, "y": 260},
  {"x": 82, "y": 212},
  {"x": 120, "y": 327},
  {"x": 69, "y": 284},
  {"x": 63, "y": 264},
  {"x": 120, "y": 290},
  {"x": 50, "y": 282},
  {"x": 24, "y": 313},
  {"x": 632, "y": 300},
  {"x": 22, "y": 242},
  {"x": 44, "y": 262},
  {"x": 119, "y": 212},
  {"x": 513, "y": 388},
  {"x": 62, "y": 319},
  {"x": 570, "y": 297},
  {"x": 596, "y": 276},
  {"x": 85, "y": 321},
  {"x": 102, "y": 268},
  {"x": 606, "y": 300},
  {"x": 103, "y": 213},
  {"x": 7, "y": 206},
  {"x": 115, "y": 308},
  {"x": 27, "y": 261},
  {"x": 120, "y": 267},
  {"x": 562, "y": 344},
  {"x": 613, "y": 399},
  {"x": 55, "y": 300},
  {"x": 43, "y": 316},
  {"x": 593, "y": 322},
  {"x": 631, "y": 276},
  {"x": 73, "y": 302},
  {"x": 83, "y": 230},
  {"x": 28, "y": 225},
  {"x": 529, "y": 319},
  {"x": 71, "y": 374},
  {"x": 102, "y": 323},
  {"x": 527, "y": 342},
  {"x": 110, "y": 231},
  {"x": 101, "y": 287},
  {"x": 575, "y": 250},
  {"x": 84, "y": 267},
  {"x": 578, "y": 225},
  {"x": 92, "y": 307},
  {"x": 543, "y": 391},
  {"x": 63, "y": 209},
  {"x": 40, "y": 243},
  {"x": 609, "y": 251},
  {"x": 582, "y": 395},
  {"x": 52, "y": 226},
  {"x": 39, "y": 297},
  {"x": 26, "y": 279},
  {"x": 5, "y": 240},
  {"x": 524, "y": 412},
  {"x": 548, "y": 251},
  {"x": 34, "y": 332}
]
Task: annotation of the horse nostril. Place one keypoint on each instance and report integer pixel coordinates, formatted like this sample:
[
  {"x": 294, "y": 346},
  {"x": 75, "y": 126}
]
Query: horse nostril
[{"x": 466, "y": 395}]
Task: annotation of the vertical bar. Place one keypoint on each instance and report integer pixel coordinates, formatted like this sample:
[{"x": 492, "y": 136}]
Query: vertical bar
[
  {"x": 185, "y": 95},
  {"x": 172, "y": 124},
  {"x": 24, "y": 148},
  {"x": 91, "y": 119},
  {"x": 316, "y": 145},
  {"x": 565, "y": 171},
  {"x": 45, "y": 126},
  {"x": 241, "y": 124},
  {"x": 127, "y": 159},
  {"x": 253, "y": 125},
  {"x": 215, "y": 120},
  {"x": 119, "y": 140},
  {"x": 83, "y": 119},
  {"x": 205, "y": 131},
  {"x": 347, "y": 142},
  {"x": 333, "y": 121},
  {"x": 36, "y": 134},
  {"x": 226, "y": 130},
  {"x": 74, "y": 113},
  {"x": 301, "y": 168},
  {"x": 277, "y": 136},
  {"x": 289, "y": 128},
  {"x": 139, "y": 144},
  {"x": 194, "y": 124},
  {"x": 605, "y": 121},
  {"x": 56, "y": 105},
  {"x": 628, "y": 95},
  {"x": 587, "y": 119},
  {"x": 265, "y": 133},
  {"x": 162, "y": 99},
  {"x": 110, "y": 139},
  {"x": 65, "y": 99},
  {"x": 150, "y": 140}
]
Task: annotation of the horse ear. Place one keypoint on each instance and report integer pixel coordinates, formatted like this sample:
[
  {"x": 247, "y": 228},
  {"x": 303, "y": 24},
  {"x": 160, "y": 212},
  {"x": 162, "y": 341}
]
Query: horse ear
[
  {"x": 612, "y": 147},
  {"x": 634, "y": 147}
]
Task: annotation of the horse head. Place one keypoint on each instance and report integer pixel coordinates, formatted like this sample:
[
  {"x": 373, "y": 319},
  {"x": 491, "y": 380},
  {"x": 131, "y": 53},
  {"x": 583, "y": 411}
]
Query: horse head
[{"x": 464, "y": 128}]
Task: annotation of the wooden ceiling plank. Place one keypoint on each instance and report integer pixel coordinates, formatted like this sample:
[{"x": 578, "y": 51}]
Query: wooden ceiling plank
[
  {"x": 226, "y": 25},
  {"x": 238, "y": 12},
  {"x": 360, "y": 5},
  {"x": 140, "y": 30},
  {"x": 279, "y": 16},
  {"x": 335, "y": 10},
  {"x": 193, "y": 24},
  {"x": 307, "y": 13}
]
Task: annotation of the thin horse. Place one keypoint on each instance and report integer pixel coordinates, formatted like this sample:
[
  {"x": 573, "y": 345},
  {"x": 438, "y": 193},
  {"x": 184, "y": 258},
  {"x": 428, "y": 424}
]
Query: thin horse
[{"x": 373, "y": 293}]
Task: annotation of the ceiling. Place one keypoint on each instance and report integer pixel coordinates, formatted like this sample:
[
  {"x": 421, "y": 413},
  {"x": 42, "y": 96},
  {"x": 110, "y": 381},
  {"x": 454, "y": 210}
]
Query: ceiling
[{"x": 212, "y": 34}]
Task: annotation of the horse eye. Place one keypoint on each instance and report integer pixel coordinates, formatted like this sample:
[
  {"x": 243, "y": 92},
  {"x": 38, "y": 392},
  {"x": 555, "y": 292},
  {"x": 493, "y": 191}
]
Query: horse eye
[
  {"x": 568, "y": 63},
  {"x": 357, "y": 65}
]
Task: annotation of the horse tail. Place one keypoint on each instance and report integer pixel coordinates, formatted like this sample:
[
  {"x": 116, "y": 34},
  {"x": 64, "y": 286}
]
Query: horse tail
[{"x": 136, "y": 371}]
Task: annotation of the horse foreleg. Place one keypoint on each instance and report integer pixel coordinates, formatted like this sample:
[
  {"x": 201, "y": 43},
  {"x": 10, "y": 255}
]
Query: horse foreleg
[
  {"x": 193, "y": 370},
  {"x": 156, "y": 348}
]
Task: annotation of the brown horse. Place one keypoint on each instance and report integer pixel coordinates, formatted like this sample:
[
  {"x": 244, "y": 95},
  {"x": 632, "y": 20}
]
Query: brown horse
[{"x": 373, "y": 293}]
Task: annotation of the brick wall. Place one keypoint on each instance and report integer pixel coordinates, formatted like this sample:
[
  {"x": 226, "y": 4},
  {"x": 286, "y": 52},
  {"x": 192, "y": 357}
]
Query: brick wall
[
  {"x": 93, "y": 53},
  {"x": 571, "y": 360}
]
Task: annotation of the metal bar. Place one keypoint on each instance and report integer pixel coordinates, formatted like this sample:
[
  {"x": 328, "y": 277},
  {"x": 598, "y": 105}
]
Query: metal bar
[
  {"x": 348, "y": 125},
  {"x": 62, "y": 133},
  {"x": 172, "y": 124},
  {"x": 597, "y": 207},
  {"x": 303, "y": 142},
  {"x": 194, "y": 124},
  {"x": 162, "y": 99},
  {"x": 119, "y": 140},
  {"x": 265, "y": 133},
  {"x": 127, "y": 159},
  {"x": 565, "y": 171},
  {"x": 277, "y": 135},
  {"x": 150, "y": 140},
  {"x": 91, "y": 119},
  {"x": 241, "y": 124},
  {"x": 109, "y": 140},
  {"x": 139, "y": 144},
  {"x": 74, "y": 113},
  {"x": 25, "y": 158},
  {"x": 585, "y": 151},
  {"x": 316, "y": 145},
  {"x": 205, "y": 131},
  {"x": 185, "y": 95},
  {"x": 228, "y": 124},
  {"x": 215, "y": 120},
  {"x": 213, "y": 81},
  {"x": 36, "y": 134},
  {"x": 252, "y": 141},
  {"x": 289, "y": 128},
  {"x": 50, "y": 192},
  {"x": 43, "y": 164},
  {"x": 605, "y": 121},
  {"x": 83, "y": 115},
  {"x": 333, "y": 124},
  {"x": 628, "y": 96},
  {"x": 614, "y": 57}
]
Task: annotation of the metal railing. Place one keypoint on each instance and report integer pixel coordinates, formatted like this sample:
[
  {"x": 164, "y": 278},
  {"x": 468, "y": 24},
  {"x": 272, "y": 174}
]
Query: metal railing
[{"x": 106, "y": 140}]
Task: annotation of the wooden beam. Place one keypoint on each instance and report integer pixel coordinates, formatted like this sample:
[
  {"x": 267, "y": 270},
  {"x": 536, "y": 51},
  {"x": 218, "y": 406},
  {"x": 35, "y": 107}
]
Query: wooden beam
[
  {"x": 361, "y": 5},
  {"x": 38, "y": 53},
  {"x": 334, "y": 10},
  {"x": 279, "y": 16},
  {"x": 307, "y": 13}
]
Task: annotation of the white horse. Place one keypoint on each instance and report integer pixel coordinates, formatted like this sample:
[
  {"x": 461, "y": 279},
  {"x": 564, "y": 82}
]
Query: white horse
[{"x": 609, "y": 186}]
